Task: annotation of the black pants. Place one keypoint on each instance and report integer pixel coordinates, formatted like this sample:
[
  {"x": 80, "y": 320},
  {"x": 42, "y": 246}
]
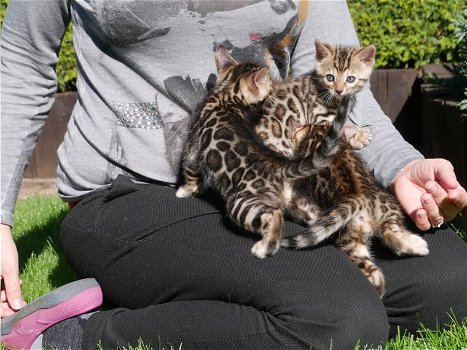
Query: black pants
[{"x": 176, "y": 272}]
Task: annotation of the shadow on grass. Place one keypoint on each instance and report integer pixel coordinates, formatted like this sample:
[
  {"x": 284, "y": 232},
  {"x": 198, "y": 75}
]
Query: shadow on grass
[{"x": 40, "y": 235}]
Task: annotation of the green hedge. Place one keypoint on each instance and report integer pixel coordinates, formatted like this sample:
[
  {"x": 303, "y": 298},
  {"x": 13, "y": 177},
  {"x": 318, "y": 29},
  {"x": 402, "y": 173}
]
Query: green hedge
[
  {"x": 66, "y": 71},
  {"x": 407, "y": 33}
]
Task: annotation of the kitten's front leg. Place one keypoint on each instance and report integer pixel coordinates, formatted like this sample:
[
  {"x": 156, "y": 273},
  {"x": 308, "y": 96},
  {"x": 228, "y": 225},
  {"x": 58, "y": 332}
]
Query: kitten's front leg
[
  {"x": 190, "y": 189},
  {"x": 357, "y": 137}
]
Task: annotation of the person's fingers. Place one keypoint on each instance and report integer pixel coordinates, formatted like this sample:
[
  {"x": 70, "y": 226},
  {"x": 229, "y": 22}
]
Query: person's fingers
[
  {"x": 444, "y": 173},
  {"x": 433, "y": 212},
  {"x": 6, "y": 310},
  {"x": 420, "y": 218},
  {"x": 439, "y": 198},
  {"x": 458, "y": 197},
  {"x": 450, "y": 202},
  {"x": 438, "y": 193},
  {"x": 3, "y": 296},
  {"x": 13, "y": 291}
]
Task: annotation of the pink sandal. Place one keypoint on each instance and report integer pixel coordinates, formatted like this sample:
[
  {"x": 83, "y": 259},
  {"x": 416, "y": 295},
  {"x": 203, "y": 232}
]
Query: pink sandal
[{"x": 21, "y": 329}]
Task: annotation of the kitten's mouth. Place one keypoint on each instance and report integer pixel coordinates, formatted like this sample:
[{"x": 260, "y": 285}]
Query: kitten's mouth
[{"x": 339, "y": 94}]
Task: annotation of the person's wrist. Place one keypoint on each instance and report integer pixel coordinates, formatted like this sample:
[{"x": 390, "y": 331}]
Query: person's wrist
[
  {"x": 393, "y": 185},
  {"x": 5, "y": 229}
]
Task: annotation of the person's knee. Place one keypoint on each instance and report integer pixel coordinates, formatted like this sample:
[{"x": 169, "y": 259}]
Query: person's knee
[
  {"x": 366, "y": 324},
  {"x": 356, "y": 318},
  {"x": 433, "y": 299},
  {"x": 431, "y": 296}
]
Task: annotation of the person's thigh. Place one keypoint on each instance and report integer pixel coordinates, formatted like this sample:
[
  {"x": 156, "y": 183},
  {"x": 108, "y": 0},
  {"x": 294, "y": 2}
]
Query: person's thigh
[
  {"x": 428, "y": 290},
  {"x": 148, "y": 248}
]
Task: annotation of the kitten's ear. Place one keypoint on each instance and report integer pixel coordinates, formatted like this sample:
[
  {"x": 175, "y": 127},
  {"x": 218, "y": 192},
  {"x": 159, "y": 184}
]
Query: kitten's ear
[
  {"x": 261, "y": 78},
  {"x": 223, "y": 61},
  {"x": 323, "y": 50},
  {"x": 367, "y": 55},
  {"x": 256, "y": 86}
]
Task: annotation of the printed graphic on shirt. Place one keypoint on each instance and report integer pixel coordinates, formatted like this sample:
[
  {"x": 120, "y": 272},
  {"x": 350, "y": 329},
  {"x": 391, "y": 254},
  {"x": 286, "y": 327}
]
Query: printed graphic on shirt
[
  {"x": 135, "y": 31},
  {"x": 126, "y": 22},
  {"x": 186, "y": 92},
  {"x": 176, "y": 133},
  {"x": 279, "y": 45},
  {"x": 148, "y": 116},
  {"x": 138, "y": 115}
]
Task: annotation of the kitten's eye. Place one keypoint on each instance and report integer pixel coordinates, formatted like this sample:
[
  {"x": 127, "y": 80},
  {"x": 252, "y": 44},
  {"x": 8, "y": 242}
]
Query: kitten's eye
[
  {"x": 350, "y": 79},
  {"x": 330, "y": 77}
]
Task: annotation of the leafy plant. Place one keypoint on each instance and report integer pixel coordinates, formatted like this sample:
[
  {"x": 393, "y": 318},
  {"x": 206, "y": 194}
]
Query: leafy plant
[
  {"x": 408, "y": 33},
  {"x": 3, "y": 5},
  {"x": 461, "y": 34},
  {"x": 66, "y": 67},
  {"x": 457, "y": 83}
]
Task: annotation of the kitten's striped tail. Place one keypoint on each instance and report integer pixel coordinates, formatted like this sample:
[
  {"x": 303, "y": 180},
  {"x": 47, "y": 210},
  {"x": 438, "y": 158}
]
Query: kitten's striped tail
[
  {"x": 324, "y": 154},
  {"x": 330, "y": 221}
]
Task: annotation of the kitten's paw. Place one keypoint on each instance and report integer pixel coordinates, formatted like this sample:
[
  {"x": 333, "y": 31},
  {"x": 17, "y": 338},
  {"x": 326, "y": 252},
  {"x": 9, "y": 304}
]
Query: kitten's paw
[
  {"x": 413, "y": 245},
  {"x": 360, "y": 139},
  {"x": 186, "y": 191},
  {"x": 264, "y": 248},
  {"x": 287, "y": 243},
  {"x": 376, "y": 278}
]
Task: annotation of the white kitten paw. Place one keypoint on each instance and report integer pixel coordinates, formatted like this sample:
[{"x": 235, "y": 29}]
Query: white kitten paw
[
  {"x": 414, "y": 245},
  {"x": 186, "y": 191},
  {"x": 264, "y": 248},
  {"x": 376, "y": 278},
  {"x": 361, "y": 138}
]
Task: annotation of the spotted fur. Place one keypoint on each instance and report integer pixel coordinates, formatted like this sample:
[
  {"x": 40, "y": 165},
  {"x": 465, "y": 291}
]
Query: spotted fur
[
  {"x": 223, "y": 149},
  {"x": 312, "y": 99},
  {"x": 342, "y": 200}
]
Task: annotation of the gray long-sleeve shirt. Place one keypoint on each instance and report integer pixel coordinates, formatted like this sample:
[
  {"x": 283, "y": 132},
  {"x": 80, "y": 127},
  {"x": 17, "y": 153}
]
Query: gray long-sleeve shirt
[{"x": 142, "y": 67}]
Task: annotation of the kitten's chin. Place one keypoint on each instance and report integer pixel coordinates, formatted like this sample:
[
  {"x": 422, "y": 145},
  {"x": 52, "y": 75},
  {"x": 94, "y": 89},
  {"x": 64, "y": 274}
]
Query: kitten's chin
[{"x": 338, "y": 97}]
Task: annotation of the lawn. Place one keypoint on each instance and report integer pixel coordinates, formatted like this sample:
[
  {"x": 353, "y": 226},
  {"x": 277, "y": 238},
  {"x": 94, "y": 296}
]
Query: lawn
[{"x": 43, "y": 267}]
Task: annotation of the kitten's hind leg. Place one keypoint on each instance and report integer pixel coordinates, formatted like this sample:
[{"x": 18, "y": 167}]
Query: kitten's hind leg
[
  {"x": 193, "y": 185},
  {"x": 189, "y": 189},
  {"x": 270, "y": 222},
  {"x": 330, "y": 221},
  {"x": 395, "y": 236},
  {"x": 357, "y": 251}
]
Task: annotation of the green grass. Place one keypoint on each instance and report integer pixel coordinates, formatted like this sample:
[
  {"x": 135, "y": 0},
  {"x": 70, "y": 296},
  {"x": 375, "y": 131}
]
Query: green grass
[
  {"x": 454, "y": 337},
  {"x": 36, "y": 229},
  {"x": 43, "y": 267}
]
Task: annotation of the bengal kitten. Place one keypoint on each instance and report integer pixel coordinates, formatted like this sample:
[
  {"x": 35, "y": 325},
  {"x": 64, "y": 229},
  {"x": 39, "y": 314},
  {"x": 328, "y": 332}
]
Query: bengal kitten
[
  {"x": 313, "y": 99},
  {"x": 343, "y": 199},
  {"x": 223, "y": 149}
]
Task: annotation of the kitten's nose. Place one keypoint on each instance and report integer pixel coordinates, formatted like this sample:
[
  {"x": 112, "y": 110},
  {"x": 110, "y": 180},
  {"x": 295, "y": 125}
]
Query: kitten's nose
[{"x": 339, "y": 91}]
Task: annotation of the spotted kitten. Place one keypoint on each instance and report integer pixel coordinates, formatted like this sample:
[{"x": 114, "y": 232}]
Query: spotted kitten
[
  {"x": 314, "y": 98},
  {"x": 343, "y": 199},
  {"x": 223, "y": 149}
]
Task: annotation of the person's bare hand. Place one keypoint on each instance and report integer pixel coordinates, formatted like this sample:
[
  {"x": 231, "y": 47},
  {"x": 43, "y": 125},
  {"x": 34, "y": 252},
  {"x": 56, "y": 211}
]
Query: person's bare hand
[
  {"x": 429, "y": 192},
  {"x": 11, "y": 299}
]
